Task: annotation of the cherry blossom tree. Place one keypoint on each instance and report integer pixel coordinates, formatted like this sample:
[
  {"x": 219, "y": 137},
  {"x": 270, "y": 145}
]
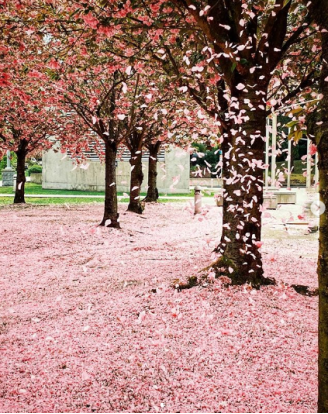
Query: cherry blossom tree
[
  {"x": 29, "y": 115},
  {"x": 177, "y": 125},
  {"x": 163, "y": 117},
  {"x": 25, "y": 127},
  {"x": 152, "y": 101},
  {"x": 95, "y": 94},
  {"x": 120, "y": 107}
]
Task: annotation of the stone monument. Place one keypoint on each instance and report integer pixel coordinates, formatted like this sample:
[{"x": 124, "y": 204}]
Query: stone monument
[{"x": 8, "y": 173}]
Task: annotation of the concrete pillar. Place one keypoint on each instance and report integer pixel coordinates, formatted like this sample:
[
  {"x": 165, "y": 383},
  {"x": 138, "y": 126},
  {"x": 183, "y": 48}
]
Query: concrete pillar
[
  {"x": 289, "y": 164},
  {"x": 308, "y": 165},
  {"x": 267, "y": 136},
  {"x": 8, "y": 161},
  {"x": 274, "y": 150},
  {"x": 316, "y": 169}
]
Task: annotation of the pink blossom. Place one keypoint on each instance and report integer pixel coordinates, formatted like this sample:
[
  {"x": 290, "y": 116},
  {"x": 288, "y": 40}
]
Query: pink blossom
[{"x": 90, "y": 321}]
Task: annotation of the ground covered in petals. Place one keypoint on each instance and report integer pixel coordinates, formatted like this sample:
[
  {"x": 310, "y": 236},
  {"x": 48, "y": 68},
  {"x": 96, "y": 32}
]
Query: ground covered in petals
[{"x": 89, "y": 321}]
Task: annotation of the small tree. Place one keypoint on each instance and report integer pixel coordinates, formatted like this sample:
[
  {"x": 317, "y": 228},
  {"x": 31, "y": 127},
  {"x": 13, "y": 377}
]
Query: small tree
[
  {"x": 97, "y": 100},
  {"x": 28, "y": 119},
  {"x": 160, "y": 116}
]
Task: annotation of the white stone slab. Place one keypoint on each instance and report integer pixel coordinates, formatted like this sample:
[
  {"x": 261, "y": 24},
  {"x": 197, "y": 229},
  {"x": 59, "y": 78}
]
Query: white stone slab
[
  {"x": 285, "y": 197},
  {"x": 270, "y": 201}
]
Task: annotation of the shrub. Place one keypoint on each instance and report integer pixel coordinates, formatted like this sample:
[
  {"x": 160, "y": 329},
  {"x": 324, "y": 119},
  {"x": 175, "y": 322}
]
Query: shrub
[
  {"x": 35, "y": 169},
  {"x": 3, "y": 163}
]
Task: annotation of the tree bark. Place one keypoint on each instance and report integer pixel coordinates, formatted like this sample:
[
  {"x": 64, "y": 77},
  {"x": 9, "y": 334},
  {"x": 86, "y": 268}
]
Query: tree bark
[
  {"x": 320, "y": 14},
  {"x": 323, "y": 266},
  {"x": 152, "y": 191},
  {"x": 136, "y": 181},
  {"x": 111, "y": 216},
  {"x": 242, "y": 173},
  {"x": 21, "y": 179},
  {"x": 323, "y": 235}
]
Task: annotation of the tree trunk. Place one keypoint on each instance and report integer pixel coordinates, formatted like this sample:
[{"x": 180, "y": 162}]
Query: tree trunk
[
  {"x": 21, "y": 179},
  {"x": 323, "y": 235},
  {"x": 243, "y": 153},
  {"x": 320, "y": 133},
  {"x": 111, "y": 216},
  {"x": 136, "y": 181},
  {"x": 152, "y": 191},
  {"x": 323, "y": 271}
]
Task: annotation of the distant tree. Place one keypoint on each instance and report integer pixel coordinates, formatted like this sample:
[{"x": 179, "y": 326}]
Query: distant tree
[{"x": 29, "y": 115}]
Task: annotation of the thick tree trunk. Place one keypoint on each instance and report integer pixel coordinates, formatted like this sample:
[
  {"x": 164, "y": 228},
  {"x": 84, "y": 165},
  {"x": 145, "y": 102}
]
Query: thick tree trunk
[
  {"x": 136, "y": 181},
  {"x": 323, "y": 235},
  {"x": 111, "y": 216},
  {"x": 243, "y": 152},
  {"x": 323, "y": 274},
  {"x": 152, "y": 191},
  {"x": 21, "y": 179},
  {"x": 320, "y": 15}
]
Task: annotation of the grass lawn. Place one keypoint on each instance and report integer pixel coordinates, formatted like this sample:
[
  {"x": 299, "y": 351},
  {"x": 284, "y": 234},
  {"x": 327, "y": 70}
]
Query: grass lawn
[
  {"x": 71, "y": 201},
  {"x": 50, "y": 201},
  {"x": 31, "y": 188},
  {"x": 297, "y": 177}
]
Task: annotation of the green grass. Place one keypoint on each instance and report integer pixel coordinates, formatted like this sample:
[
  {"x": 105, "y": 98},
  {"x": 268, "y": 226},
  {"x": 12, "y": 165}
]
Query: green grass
[
  {"x": 31, "y": 188},
  {"x": 298, "y": 166},
  {"x": 50, "y": 201},
  {"x": 73, "y": 201},
  {"x": 296, "y": 177}
]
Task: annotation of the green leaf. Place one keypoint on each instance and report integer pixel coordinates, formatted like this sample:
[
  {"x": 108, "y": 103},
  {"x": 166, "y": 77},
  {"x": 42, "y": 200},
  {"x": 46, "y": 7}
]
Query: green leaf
[
  {"x": 298, "y": 135},
  {"x": 291, "y": 124},
  {"x": 244, "y": 62},
  {"x": 297, "y": 110}
]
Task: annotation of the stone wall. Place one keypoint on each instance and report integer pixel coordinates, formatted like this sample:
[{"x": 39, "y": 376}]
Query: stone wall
[
  {"x": 36, "y": 178},
  {"x": 62, "y": 173}
]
